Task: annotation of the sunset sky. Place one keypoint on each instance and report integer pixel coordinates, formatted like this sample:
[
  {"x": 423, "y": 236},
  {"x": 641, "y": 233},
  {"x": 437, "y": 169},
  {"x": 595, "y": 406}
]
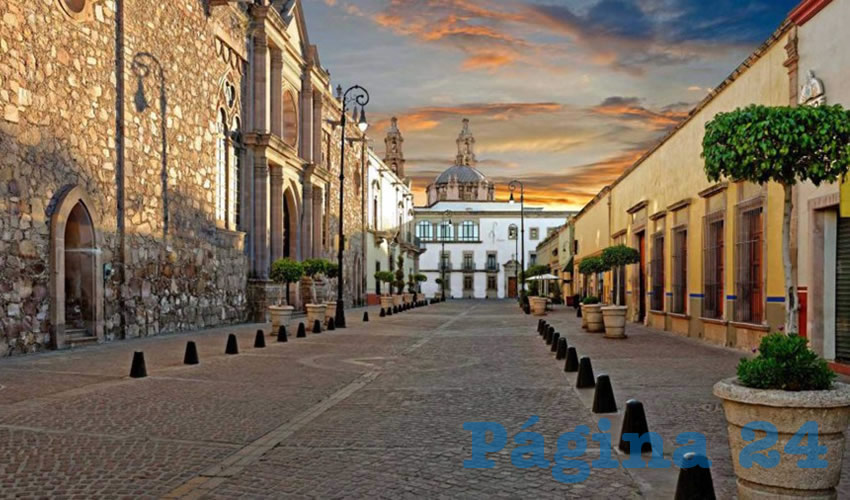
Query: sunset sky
[{"x": 562, "y": 94}]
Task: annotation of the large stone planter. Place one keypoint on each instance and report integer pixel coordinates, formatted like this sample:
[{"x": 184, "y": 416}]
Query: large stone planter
[
  {"x": 538, "y": 305},
  {"x": 614, "y": 319},
  {"x": 280, "y": 315},
  {"x": 420, "y": 297},
  {"x": 407, "y": 298},
  {"x": 788, "y": 411},
  {"x": 397, "y": 299},
  {"x": 315, "y": 312},
  {"x": 386, "y": 302},
  {"x": 330, "y": 312},
  {"x": 593, "y": 313},
  {"x": 583, "y": 317}
]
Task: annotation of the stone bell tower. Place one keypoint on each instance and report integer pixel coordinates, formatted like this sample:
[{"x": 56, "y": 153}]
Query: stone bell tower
[
  {"x": 394, "y": 156},
  {"x": 465, "y": 146}
]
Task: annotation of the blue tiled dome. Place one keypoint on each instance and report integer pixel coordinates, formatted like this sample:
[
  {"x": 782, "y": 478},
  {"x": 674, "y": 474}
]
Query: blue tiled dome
[{"x": 462, "y": 173}]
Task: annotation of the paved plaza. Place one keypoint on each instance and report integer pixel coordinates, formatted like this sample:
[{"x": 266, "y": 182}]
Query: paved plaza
[{"x": 375, "y": 410}]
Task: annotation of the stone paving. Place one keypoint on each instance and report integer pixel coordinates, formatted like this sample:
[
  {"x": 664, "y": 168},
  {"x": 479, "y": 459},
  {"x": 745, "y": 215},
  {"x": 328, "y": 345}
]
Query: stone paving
[{"x": 374, "y": 410}]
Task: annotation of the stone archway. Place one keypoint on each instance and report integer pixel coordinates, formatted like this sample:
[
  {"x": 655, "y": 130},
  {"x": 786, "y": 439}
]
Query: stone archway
[{"x": 76, "y": 271}]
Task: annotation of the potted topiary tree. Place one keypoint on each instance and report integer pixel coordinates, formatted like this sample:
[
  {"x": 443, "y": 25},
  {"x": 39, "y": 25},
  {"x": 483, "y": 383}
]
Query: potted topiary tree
[
  {"x": 398, "y": 282},
  {"x": 614, "y": 316},
  {"x": 786, "y": 390},
  {"x": 419, "y": 278},
  {"x": 314, "y": 270},
  {"x": 332, "y": 281},
  {"x": 386, "y": 277},
  {"x": 438, "y": 294},
  {"x": 284, "y": 271},
  {"x": 590, "y": 308}
]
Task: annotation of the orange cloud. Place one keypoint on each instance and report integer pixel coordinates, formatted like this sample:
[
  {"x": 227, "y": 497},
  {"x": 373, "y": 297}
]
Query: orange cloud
[
  {"x": 629, "y": 108},
  {"x": 429, "y": 117}
]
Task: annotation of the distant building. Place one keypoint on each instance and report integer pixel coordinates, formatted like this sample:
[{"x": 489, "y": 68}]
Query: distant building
[{"x": 482, "y": 237}]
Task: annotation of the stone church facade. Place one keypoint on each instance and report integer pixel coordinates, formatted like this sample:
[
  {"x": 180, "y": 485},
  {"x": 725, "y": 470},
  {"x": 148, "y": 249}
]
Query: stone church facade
[{"x": 155, "y": 158}]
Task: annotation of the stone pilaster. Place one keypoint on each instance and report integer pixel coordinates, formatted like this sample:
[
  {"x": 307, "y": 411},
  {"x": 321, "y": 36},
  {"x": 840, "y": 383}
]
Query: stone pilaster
[
  {"x": 317, "y": 128},
  {"x": 262, "y": 94},
  {"x": 276, "y": 91},
  {"x": 261, "y": 217},
  {"x": 276, "y": 216},
  {"x": 306, "y": 142},
  {"x": 318, "y": 217},
  {"x": 307, "y": 220}
]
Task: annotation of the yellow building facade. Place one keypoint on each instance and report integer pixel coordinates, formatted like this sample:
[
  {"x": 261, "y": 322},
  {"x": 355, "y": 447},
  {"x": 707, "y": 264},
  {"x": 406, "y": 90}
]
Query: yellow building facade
[{"x": 711, "y": 253}]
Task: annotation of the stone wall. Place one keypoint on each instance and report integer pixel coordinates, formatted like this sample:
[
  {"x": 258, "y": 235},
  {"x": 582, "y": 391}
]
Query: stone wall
[{"x": 59, "y": 96}]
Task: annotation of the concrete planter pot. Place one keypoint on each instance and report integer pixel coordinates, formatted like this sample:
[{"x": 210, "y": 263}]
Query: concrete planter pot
[
  {"x": 593, "y": 313},
  {"x": 538, "y": 305},
  {"x": 315, "y": 312},
  {"x": 614, "y": 319},
  {"x": 330, "y": 312},
  {"x": 583, "y": 317},
  {"x": 407, "y": 298},
  {"x": 788, "y": 411},
  {"x": 420, "y": 297},
  {"x": 397, "y": 298},
  {"x": 386, "y": 302},
  {"x": 280, "y": 315}
]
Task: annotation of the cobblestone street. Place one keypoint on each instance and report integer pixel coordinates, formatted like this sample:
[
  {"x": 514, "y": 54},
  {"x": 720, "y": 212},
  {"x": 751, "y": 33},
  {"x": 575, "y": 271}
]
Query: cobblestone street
[{"x": 374, "y": 410}]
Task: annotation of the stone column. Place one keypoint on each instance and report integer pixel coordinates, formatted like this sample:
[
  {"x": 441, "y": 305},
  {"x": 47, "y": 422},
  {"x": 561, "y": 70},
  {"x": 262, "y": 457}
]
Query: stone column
[
  {"x": 276, "y": 196},
  {"x": 261, "y": 216},
  {"x": 306, "y": 142},
  {"x": 318, "y": 118},
  {"x": 276, "y": 91},
  {"x": 307, "y": 219},
  {"x": 318, "y": 218},
  {"x": 262, "y": 69}
]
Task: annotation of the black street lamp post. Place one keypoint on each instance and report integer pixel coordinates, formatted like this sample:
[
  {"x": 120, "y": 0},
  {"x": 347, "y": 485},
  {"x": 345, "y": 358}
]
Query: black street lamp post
[
  {"x": 513, "y": 186},
  {"x": 447, "y": 217},
  {"x": 516, "y": 255},
  {"x": 360, "y": 97}
]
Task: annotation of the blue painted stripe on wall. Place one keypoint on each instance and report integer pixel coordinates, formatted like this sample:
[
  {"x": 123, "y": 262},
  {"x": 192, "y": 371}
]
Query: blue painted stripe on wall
[
  {"x": 731, "y": 297},
  {"x": 697, "y": 296},
  {"x": 669, "y": 294},
  {"x": 776, "y": 299}
]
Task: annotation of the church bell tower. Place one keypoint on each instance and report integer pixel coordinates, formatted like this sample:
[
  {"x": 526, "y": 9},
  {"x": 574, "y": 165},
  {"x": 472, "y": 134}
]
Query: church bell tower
[{"x": 394, "y": 157}]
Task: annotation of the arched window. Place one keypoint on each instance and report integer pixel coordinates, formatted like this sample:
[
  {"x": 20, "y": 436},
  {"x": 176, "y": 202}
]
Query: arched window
[
  {"x": 290, "y": 119},
  {"x": 375, "y": 213},
  {"x": 446, "y": 231},
  {"x": 235, "y": 175},
  {"x": 425, "y": 231},
  {"x": 221, "y": 168},
  {"x": 468, "y": 231}
]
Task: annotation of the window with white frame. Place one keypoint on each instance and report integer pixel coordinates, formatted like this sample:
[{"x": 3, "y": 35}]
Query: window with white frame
[
  {"x": 221, "y": 168},
  {"x": 534, "y": 234},
  {"x": 512, "y": 232},
  {"x": 425, "y": 230},
  {"x": 446, "y": 231},
  {"x": 468, "y": 231}
]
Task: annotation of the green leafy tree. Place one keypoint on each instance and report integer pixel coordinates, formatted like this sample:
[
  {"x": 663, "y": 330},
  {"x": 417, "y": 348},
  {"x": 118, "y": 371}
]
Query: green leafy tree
[
  {"x": 616, "y": 257},
  {"x": 779, "y": 144},
  {"x": 315, "y": 267},
  {"x": 399, "y": 274},
  {"x": 332, "y": 270},
  {"x": 385, "y": 277},
  {"x": 286, "y": 271},
  {"x": 590, "y": 266}
]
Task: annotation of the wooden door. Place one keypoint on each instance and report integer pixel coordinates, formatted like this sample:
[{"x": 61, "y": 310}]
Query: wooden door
[{"x": 512, "y": 287}]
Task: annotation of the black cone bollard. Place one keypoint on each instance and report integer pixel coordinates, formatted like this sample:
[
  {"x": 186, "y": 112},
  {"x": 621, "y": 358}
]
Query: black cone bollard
[
  {"x": 365, "y": 316},
  {"x": 331, "y": 324},
  {"x": 317, "y": 326},
  {"x": 191, "y": 356},
  {"x": 260, "y": 340},
  {"x": 603, "y": 397},
  {"x": 302, "y": 331},
  {"x": 539, "y": 325},
  {"x": 562, "y": 349},
  {"x": 634, "y": 421},
  {"x": 281, "y": 334},
  {"x": 383, "y": 313},
  {"x": 555, "y": 339},
  {"x": 550, "y": 336},
  {"x": 138, "y": 369},
  {"x": 389, "y": 311},
  {"x": 694, "y": 480},
  {"x": 543, "y": 329},
  {"x": 232, "y": 345},
  {"x": 572, "y": 360},
  {"x": 585, "y": 380}
]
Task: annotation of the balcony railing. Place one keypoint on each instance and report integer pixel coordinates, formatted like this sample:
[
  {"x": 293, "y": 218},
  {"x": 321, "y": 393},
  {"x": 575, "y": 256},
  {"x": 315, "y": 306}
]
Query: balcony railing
[
  {"x": 469, "y": 266},
  {"x": 492, "y": 268}
]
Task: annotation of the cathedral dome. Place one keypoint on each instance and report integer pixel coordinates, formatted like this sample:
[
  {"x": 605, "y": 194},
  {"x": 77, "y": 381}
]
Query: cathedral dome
[{"x": 461, "y": 173}]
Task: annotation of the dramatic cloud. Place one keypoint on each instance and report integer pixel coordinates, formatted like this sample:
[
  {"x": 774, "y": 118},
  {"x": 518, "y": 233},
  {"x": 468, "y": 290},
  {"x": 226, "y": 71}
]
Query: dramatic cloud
[
  {"x": 426, "y": 118},
  {"x": 630, "y": 108}
]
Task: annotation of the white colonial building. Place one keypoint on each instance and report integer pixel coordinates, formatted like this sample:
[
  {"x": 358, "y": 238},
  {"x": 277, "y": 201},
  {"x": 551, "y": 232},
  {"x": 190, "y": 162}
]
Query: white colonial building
[
  {"x": 477, "y": 239},
  {"x": 389, "y": 229}
]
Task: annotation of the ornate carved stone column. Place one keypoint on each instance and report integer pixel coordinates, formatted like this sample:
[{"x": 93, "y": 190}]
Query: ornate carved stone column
[
  {"x": 276, "y": 91},
  {"x": 262, "y": 70},
  {"x": 318, "y": 117},
  {"x": 261, "y": 216},
  {"x": 306, "y": 142},
  {"x": 318, "y": 218},
  {"x": 307, "y": 217},
  {"x": 276, "y": 204}
]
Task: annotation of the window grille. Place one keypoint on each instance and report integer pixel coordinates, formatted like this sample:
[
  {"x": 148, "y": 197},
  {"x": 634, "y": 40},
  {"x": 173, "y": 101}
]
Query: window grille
[
  {"x": 750, "y": 308},
  {"x": 680, "y": 271},
  {"x": 657, "y": 266},
  {"x": 713, "y": 258}
]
